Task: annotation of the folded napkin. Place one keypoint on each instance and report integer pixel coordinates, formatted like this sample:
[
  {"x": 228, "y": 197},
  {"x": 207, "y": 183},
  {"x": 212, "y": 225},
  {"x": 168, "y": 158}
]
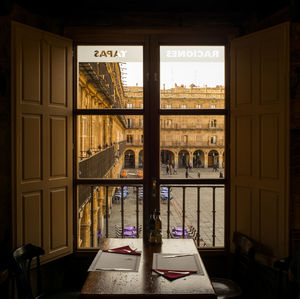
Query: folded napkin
[
  {"x": 173, "y": 274},
  {"x": 123, "y": 250}
]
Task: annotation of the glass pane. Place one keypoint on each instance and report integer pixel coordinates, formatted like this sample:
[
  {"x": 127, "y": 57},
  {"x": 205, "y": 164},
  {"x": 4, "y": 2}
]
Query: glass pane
[
  {"x": 192, "y": 77},
  {"x": 110, "y": 146},
  {"x": 107, "y": 201},
  {"x": 209, "y": 215},
  {"x": 192, "y": 146},
  {"x": 110, "y": 77}
]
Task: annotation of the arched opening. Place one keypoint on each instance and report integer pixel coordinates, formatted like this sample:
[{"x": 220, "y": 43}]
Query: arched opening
[
  {"x": 213, "y": 159},
  {"x": 198, "y": 159},
  {"x": 167, "y": 156},
  {"x": 129, "y": 159},
  {"x": 141, "y": 159},
  {"x": 183, "y": 159}
]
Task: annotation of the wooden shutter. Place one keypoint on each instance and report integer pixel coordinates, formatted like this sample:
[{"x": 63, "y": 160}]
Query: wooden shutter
[
  {"x": 42, "y": 140},
  {"x": 260, "y": 137}
]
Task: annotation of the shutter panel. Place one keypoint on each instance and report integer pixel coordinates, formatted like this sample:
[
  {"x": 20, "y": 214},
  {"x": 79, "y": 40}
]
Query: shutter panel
[
  {"x": 42, "y": 140},
  {"x": 260, "y": 137}
]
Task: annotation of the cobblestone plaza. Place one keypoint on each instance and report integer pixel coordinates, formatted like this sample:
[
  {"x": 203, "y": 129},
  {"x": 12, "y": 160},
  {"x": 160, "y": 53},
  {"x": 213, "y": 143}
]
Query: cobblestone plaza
[{"x": 176, "y": 219}]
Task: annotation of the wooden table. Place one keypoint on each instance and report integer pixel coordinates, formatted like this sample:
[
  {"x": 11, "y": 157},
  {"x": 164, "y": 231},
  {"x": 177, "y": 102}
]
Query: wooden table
[{"x": 146, "y": 283}]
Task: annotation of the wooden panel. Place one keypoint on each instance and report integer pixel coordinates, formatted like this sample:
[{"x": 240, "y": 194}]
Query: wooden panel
[
  {"x": 31, "y": 70},
  {"x": 31, "y": 147},
  {"x": 260, "y": 137},
  {"x": 58, "y": 76},
  {"x": 42, "y": 140},
  {"x": 32, "y": 219},
  {"x": 243, "y": 210},
  {"x": 269, "y": 219},
  {"x": 243, "y": 76},
  {"x": 59, "y": 218},
  {"x": 269, "y": 74},
  {"x": 269, "y": 146},
  {"x": 244, "y": 146},
  {"x": 58, "y": 144}
]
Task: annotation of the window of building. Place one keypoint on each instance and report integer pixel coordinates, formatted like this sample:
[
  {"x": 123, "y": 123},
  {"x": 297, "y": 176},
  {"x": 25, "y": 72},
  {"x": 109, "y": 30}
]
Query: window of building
[
  {"x": 213, "y": 123},
  {"x": 198, "y": 106},
  {"x": 129, "y": 138},
  {"x": 213, "y": 106},
  {"x": 122, "y": 137},
  {"x": 213, "y": 139}
]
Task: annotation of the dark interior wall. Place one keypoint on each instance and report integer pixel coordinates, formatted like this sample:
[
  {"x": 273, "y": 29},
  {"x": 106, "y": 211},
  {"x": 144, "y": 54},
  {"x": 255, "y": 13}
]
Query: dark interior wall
[
  {"x": 5, "y": 143},
  {"x": 117, "y": 20}
]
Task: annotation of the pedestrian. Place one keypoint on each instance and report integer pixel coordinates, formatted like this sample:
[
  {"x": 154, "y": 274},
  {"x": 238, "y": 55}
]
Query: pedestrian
[
  {"x": 198, "y": 173},
  {"x": 171, "y": 168},
  {"x": 221, "y": 174},
  {"x": 187, "y": 172},
  {"x": 167, "y": 168}
]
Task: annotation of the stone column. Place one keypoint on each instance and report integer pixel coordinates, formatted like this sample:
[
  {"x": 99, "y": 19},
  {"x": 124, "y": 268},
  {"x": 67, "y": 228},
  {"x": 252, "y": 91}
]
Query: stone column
[
  {"x": 205, "y": 159},
  {"x": 176, "y": 159},
  {"x": 86, "y": 226},
  {"x": 220, "y": 159},
  {"x": 136, "y": 159}
]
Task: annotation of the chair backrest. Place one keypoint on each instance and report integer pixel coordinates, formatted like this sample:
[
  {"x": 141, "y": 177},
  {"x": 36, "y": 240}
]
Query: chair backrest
[
  {"x": 243, "y": 271},
  {"x": 22, "y": 257}
]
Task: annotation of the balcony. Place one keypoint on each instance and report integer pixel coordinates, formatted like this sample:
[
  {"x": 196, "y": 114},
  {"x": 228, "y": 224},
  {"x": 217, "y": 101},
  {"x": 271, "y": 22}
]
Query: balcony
[
  {"x": 201, "y": 143},
  {"x": 97, "y": 166},
  {"x": 191, "y": 127}
]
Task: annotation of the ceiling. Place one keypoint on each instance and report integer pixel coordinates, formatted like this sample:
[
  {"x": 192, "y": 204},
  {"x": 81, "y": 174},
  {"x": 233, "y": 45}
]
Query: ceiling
[{"x": 69, "y": 9}]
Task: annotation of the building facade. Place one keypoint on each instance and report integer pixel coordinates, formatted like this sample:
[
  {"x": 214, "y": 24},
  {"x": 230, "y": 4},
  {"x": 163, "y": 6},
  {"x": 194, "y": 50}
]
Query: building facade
[{"x": 106, "y": 144}]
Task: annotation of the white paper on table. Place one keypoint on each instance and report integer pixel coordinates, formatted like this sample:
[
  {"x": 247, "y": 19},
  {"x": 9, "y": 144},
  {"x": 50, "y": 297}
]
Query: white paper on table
[
  {"x": 184, "y": 262},
  {"x": 107, "y": 261}
]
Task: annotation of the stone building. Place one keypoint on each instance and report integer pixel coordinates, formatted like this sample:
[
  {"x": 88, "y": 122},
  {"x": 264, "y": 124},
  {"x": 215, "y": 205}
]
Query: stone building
[
  {"x": 100, "y": 145},
  {"x": 197, "y": 141},
  {"x": 107, "y": 144}
]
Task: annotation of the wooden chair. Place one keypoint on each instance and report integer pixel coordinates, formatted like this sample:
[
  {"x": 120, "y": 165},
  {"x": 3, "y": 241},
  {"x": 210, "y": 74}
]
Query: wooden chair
[
  {"x": 290, "y": 266},
  {"x": 21, "y": 269},
  {"x": 239, "y": 285}
]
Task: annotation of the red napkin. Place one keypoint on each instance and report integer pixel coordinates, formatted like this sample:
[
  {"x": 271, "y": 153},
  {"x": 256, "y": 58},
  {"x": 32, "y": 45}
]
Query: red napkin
[
  {"x": 123, "y": 250},
  {"x": 173, "y": 274}
]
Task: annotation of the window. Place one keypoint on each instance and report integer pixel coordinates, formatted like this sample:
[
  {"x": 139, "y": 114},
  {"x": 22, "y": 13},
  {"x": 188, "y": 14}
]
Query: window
[
  {"x": 213, "y": 106},
  {"x": 198, "y": 106},
  {"x": 129, "y": 138},
  {"x": 213, "y": 123},
  {"x": 180, "y": 143},
  {"x": 213, "y": 139}
]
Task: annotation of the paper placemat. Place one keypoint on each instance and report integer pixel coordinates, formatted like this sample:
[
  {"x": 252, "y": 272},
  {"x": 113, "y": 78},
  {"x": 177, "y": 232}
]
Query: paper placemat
[
  {"x": 106, "y": 261},
  {"x": 180, "y": 262}
]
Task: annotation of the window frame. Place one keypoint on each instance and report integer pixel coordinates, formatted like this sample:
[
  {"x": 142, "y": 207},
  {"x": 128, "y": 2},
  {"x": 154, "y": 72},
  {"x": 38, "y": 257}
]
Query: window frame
[{"x": 171, "y": 111}]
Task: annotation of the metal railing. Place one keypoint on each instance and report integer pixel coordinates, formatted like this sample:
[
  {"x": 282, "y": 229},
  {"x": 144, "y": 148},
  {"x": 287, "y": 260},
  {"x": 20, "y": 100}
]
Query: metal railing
[
  {"x": 199, "y": 143},
  {"x": 194, "y": 229},
  {"x": 197, "y": 233}
]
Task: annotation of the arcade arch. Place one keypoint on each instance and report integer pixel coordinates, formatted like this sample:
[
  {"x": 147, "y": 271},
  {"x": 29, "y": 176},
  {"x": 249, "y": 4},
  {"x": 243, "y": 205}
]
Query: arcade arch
[
  {"x": 198, "y": 159},
  {"x": 167, "y": 156},
  {"x": 213, "y": 158},
  {"x": 129, "y": 159},
  {"x": 183, "y": 159}
]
